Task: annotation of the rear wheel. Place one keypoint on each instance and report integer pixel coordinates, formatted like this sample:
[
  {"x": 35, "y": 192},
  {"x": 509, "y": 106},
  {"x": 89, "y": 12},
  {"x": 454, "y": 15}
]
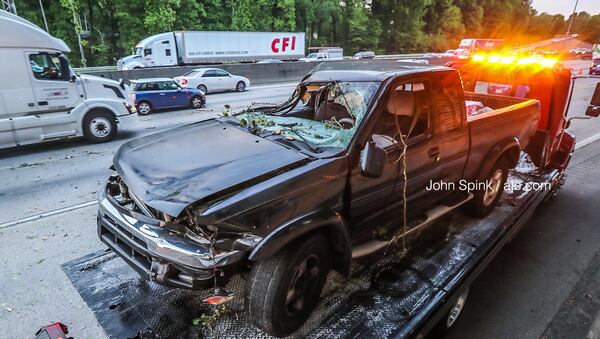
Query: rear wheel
[
  {"x": 99, "y": 126},
  {"x": 203, "y": 89},
  {"x": 283, "y": 290},
  {"x": 241, "y": 86},
  {"x": 144, "y": 108},
  {"x": 197, "y": 102},
  {"x": 486, "y": 198}
]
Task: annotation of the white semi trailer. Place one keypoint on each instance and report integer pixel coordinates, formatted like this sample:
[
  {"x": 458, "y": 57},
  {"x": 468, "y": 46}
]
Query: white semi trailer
[{"x": 189, "y": 48}]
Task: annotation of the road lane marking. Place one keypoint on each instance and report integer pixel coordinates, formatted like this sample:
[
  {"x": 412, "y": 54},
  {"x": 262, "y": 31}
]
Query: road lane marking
[
  {"x": 587, "y": 141},
  {"x": 46, "y": 214}
]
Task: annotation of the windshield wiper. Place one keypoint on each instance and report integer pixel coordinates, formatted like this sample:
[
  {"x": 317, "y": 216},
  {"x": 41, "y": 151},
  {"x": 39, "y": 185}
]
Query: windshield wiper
[{"x": 313, "y": 148}]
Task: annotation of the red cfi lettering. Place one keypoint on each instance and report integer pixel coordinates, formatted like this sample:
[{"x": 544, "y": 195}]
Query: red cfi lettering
[
  {"x": 293, "y": 43},
  {"x": 285, "y": 44},
  {"x": 274, "y": 44}
]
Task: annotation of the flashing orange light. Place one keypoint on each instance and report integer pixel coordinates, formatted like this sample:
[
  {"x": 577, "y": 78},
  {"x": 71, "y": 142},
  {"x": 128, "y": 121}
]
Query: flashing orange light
[{"x": 514, "y": 60}]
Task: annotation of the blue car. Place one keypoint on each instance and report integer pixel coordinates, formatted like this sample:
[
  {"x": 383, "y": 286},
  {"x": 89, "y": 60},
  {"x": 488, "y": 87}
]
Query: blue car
[
  {"x": 158, "y": 93},
  {"x": 595, "y": 68}
]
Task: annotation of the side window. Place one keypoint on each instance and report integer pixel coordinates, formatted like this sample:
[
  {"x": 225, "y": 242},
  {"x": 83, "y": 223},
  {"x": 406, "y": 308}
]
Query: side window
[
  {"x": 406, "y": 111},
  {"x": 168, "y": 52},
  {"x": 221, "y": 73},
  {"x": 167, "y": 85},
  {"x": 209, "y": 74},
  {"x": 148, "y": 86},
  {"x": 47, "y": 67},
  {"x": 148, "y": 51}
]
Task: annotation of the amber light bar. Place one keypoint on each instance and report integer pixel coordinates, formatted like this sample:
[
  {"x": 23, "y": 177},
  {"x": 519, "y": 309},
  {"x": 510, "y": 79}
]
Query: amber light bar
[{"x": 514, "y": 60}]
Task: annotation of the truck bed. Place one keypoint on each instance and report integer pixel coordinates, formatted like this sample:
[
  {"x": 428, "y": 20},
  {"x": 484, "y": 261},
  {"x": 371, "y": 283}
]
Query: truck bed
[
  {"x": 396, "y": 294},
  {"x": 509, "y": 114}
]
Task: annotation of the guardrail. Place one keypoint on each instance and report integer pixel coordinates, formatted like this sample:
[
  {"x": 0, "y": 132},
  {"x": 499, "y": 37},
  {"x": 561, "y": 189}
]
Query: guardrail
[
  {"x": 95, "y": 69},
  {"x": 257, "y": 73}
]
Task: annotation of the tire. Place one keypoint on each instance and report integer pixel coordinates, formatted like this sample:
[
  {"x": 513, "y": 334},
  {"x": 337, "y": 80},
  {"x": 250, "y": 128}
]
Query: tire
[
  {"x": 202, "y": 88},
  {"x": 448, "y": 321},
  {"x": 144, "y": 108},
  {"x": 268, "y": 300},
  {"x": 240, "y": 86},
  {"x": 197, "y": 102},
  {"x": 99, "y": 126},
  {"x": 484, "y": 200}
]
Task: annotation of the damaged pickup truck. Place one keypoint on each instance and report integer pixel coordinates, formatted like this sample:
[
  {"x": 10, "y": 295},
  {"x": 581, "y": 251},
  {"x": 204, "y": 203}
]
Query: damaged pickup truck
[{"x": 286, "y": 193}]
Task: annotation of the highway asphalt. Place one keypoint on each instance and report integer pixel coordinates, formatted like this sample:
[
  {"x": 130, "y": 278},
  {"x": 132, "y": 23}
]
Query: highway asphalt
[{"x": 48, "y": 218}]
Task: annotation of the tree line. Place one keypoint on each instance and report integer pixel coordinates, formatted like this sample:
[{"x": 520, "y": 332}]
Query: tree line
[{"x": 109, "y": 29}]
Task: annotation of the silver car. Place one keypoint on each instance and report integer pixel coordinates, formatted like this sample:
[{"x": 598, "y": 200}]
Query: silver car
[{"x": 213, "y": 80}]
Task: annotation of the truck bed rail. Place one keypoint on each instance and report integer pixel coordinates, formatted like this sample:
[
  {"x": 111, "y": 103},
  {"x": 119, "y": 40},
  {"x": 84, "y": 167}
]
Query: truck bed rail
[{"x": 493, "y": 101}]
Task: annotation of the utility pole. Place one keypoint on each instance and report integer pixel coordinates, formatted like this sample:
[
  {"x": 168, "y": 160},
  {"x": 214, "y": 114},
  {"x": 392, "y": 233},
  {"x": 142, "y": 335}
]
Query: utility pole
[
  {"x": 572, "y": 17},
  {"x": 9, "y": 6},
  {"x": 44, "y": 16}
]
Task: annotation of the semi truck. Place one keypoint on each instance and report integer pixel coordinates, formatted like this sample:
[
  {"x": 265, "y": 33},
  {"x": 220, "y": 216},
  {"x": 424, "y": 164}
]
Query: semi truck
[
  {"x": 470, "y": 46},
  {"x": 42, "y": 98},
  {"x": 195, "y": 47}
]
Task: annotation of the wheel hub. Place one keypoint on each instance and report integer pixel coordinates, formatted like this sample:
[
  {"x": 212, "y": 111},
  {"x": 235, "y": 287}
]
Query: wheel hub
[
  {"x": 302, "y": 282},
  {"x": 491, "y": 191},
  {"x": 100, "y": 127}
]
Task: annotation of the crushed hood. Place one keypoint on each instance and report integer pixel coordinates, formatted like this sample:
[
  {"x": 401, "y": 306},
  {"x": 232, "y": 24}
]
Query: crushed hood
[{"x": 172, "y": 169}]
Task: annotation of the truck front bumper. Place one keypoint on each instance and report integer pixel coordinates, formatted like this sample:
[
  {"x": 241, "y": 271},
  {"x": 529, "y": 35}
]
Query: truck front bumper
[{"x": 162, "y": 255}]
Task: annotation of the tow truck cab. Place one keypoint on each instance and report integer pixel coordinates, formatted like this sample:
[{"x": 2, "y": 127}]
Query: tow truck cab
[{"x": 538, "y": 78}]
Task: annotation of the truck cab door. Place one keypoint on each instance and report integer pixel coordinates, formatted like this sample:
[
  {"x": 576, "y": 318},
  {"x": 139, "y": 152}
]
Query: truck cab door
[
  {"x": 379, "y": 201},
  {"x": 55, "y": 94},
  {"x": 164, "y": 53}
]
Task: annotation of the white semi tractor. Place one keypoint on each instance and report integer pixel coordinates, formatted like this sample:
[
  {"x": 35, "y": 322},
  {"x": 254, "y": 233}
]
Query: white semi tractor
[
  {"x": 189, "y": 48},
  {"x": 42, "y": 98}
]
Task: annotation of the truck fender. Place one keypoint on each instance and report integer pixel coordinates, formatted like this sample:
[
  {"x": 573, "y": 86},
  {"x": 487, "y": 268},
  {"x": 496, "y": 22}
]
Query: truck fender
[
  {"x": 510, "y": 149},
  {"x": 330, "y": 223}
]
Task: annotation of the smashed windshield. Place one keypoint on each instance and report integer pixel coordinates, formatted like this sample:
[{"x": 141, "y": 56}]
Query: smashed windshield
[{"x": 318, "y": 114}]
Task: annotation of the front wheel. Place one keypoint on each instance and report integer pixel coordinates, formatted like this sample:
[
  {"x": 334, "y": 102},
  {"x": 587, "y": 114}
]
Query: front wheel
[
  {"x": 99, "y": 126},
  {"x": 203, "y": 89},
  {"x": 486, "y": 197},
  {"x": 144, "y": 108},
  {"x": 197, "y": 102},
  {"x": 241, "y": 86},
  {"x": 283, "y": 290}
]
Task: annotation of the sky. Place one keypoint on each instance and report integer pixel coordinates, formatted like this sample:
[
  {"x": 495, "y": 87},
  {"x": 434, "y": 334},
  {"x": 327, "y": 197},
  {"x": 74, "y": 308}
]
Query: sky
[{"x": 565, "y": 7}]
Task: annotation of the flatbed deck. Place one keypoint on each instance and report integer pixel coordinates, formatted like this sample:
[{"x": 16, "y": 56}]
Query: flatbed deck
[{"x": 399, "y": 294}]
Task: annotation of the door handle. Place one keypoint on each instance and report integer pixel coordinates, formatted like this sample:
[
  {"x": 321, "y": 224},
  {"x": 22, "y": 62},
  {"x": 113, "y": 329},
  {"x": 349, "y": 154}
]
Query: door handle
[
  {"x": 434, "y": 153},
  {"x": 42, "y": 103},
  {"x": 162, "y": 94},
  {"x": 31, "y": 104}
]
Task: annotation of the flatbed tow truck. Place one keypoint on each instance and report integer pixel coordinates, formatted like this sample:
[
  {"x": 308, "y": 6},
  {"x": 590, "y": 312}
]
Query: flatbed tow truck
[{"x": 410, "y": 293}]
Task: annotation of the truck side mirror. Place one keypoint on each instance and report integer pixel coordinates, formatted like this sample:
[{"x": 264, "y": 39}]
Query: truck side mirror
[
  {"x": 593, "y": 109},
  {"x": 372, "y": 160},
  {"x": 73, "y": 77}
]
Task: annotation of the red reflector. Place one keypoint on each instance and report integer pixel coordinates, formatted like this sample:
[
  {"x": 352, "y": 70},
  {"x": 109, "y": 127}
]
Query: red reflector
[{"x": 218, "y": 300}]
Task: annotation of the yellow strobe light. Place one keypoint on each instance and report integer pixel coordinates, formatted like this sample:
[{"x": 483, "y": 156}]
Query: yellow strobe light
[{"x": 513, "y": 60}]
